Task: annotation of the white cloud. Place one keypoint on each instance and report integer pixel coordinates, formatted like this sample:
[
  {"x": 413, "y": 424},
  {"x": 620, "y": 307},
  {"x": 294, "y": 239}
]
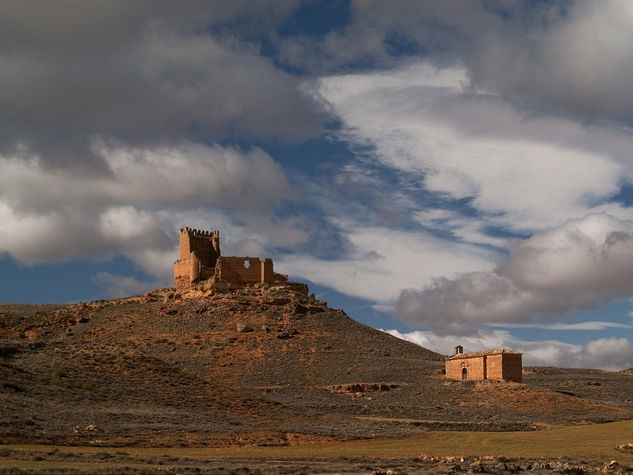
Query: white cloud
[
  {"x": 570, "y": 57},
  {"x": 117, "y": 286},
  {"x": 194, "y": 174},
  {"x": 590, "y": 325},
  {"x": 421, "y": 121},
  {"x": 578, "y": 265},
  {"x": 50, "y": 237},
  {"x": 516, "y": 172},
  {"x": 136, "y": 209},
  {"x": 187, "y": 174},
  {"x": 467, "y": 229},
  {"x": 123, "y": 223},
  {"x": 612, "y": 354},
  {"x": 579, "y": 59},
  {"x": 608, "y": 353},
  {"x": 385, "y": 260},
  {"x": 168, "y": 73}
]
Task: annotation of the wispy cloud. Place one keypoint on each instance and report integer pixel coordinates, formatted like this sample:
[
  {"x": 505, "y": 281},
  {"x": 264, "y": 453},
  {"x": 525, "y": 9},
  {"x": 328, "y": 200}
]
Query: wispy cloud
[
  {"x": 383, "y": 260},
  {"x": 511, "y": 166},
  {"x": 589, "y": 326}
]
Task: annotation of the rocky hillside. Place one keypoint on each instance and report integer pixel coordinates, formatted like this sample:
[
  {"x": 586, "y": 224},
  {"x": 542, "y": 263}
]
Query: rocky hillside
[{"x": 265, "y": 364}]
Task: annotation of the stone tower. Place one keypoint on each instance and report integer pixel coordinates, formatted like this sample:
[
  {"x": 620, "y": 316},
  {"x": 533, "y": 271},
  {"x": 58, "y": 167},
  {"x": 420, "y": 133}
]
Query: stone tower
[{"x": 199, "y": 252}]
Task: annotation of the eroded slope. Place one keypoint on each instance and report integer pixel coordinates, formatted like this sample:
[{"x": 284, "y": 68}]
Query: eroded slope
[{"x": 259, "y": 365}]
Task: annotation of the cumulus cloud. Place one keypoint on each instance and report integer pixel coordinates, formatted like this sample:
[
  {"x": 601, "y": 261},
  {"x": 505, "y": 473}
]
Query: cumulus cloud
[
  {"x": 569, "y": 57},
  {"x": 136, "y": 208},
  {"x": 117, "y": 286},
  {"x": 143, "y": 73},
  {"x": 110, "y": 115},
  {"x": 577, "y": 265},
  {"x": 577, "y": 59},
  {"x": 612, "y": 354}
]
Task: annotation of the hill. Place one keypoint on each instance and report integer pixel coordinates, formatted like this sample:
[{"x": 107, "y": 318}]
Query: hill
[{"x": 260, "y": 365}]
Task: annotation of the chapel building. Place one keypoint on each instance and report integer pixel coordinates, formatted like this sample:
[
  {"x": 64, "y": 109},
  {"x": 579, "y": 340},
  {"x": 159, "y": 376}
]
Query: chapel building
[{"x": 499, "y": 364}]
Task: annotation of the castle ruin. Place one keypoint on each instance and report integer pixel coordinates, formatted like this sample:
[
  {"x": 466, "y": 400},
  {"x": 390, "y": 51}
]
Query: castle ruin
[{"x": 200, "y": 259}]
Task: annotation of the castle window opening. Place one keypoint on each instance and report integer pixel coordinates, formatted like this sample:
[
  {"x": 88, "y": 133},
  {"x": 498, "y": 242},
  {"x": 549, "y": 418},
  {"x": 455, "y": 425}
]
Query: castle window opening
[
  {"x": 247, "y": 264},
  {"x": 464, "y": 374}
]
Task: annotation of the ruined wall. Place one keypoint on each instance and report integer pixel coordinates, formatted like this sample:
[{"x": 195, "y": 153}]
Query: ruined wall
[
  {"x": 200, "y": 259},
  {"x": 268, "y": 275},
  {"x": 476, "y": 368},
  {"x": 244, "y": 269},
  {"x": 186, "y": 271}
]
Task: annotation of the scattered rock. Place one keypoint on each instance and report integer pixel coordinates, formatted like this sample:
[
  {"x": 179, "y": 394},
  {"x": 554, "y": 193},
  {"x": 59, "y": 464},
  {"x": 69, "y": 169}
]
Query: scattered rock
[
  {"x": 243, "y": 328},
  {"x": 277, "y": 301},
  {"x": 295, "y": 308},
  {"x": 286, "y": 332},
  {"x": 89, "y": 428},
  {"x": 360, "y": 388},
  {"x": 626, "y": 448}
]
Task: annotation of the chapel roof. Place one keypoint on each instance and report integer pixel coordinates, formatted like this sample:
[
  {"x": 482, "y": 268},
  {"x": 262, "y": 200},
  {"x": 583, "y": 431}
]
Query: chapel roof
[{"x": 476, "y": 354}]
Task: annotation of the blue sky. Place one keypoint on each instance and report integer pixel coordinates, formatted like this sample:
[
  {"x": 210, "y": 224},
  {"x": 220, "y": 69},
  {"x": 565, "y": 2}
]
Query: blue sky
[{"x": 451, "y": 172}]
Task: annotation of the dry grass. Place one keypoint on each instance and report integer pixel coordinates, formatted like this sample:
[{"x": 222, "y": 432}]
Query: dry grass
[{"x": 585, "y": 442}]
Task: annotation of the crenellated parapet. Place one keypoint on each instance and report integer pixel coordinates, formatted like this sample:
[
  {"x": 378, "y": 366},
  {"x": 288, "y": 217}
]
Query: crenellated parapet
[{"x": 200, "y": 233}]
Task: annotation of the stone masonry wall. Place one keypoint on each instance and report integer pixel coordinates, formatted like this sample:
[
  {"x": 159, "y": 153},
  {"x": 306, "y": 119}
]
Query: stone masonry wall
[
  {"x": 244, "y": 269},
  {"x": 199, "y": 251},
  {"x": 186, "y": 271},
  {"x": 502, "y": 366},
  {"x": 494, "y": 366},
  {"x": 476, "y": 368},
  {"x": 513, "y": 367},
  {"x": 200, "y": 259},
  {"x": 205, "y": 244}
]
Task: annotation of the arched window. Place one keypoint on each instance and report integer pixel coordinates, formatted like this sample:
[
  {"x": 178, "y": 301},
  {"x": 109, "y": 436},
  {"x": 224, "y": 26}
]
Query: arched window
[{"x": 464, "y": 374}]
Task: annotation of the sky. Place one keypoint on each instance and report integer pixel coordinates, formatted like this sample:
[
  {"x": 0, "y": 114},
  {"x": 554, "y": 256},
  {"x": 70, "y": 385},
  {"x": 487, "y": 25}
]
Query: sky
[{"x": 455, "y": 172}]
